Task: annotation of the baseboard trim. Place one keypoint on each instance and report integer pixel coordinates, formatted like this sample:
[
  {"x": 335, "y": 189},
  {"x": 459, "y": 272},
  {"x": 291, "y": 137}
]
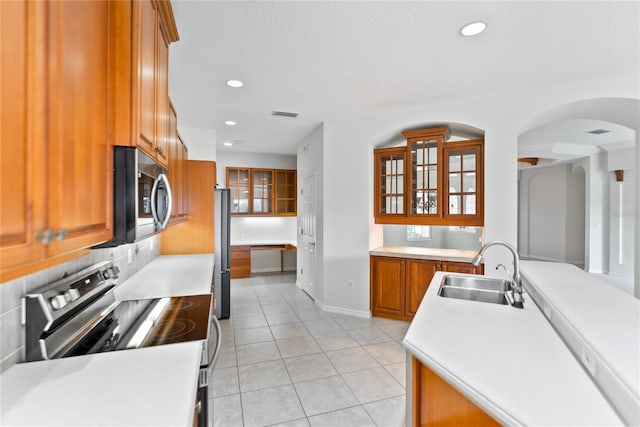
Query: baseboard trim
[{"x": 346, "y": 311}]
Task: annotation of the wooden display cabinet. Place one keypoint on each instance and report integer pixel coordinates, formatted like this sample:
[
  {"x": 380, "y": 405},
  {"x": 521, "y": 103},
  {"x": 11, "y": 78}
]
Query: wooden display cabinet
[
  {"x": 262, "y": 192},
  {"x": 430, "y": 181}
]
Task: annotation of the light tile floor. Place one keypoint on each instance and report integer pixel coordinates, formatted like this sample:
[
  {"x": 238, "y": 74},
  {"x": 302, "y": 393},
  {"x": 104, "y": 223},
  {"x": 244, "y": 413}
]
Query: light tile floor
[{"x": 285, "y": 362}]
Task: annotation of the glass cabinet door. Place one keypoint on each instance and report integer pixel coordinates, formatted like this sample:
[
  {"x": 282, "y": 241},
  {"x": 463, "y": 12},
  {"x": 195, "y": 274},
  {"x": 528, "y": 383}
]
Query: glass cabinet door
[
  {"x": 463, "y": 175},
  {"x": 262, "y": 191},
  {"x": 425, "y": 164},
  {"x": 390, "y": 170},
  {"x": 238, "y": 183}
]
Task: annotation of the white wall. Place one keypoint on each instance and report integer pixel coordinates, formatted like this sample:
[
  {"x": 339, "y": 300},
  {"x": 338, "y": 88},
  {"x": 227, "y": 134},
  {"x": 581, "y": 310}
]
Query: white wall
[
  {"x": 255, "y": 228},
  {"x": 200, "y": 142},
  {"x": 349, "y": 232},
  {"x": 552, "y": 213}
]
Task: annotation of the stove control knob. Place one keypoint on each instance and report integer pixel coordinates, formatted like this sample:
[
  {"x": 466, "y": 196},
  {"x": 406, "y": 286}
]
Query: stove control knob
[
  {"x": 71, "y": 295},
  {"x": 58, "y": 302}
]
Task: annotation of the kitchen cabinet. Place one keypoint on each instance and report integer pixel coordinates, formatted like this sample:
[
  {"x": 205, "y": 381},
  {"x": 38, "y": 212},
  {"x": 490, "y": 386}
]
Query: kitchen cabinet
[
  {"x": 388, "y": 287},
  {"x": 152, "y": 31},
  {"x": 399, "y": 284},
  {"x": 436, "y": 403},
  {"x": 57, "y": 68},
  {"x": 240, "y": 261},
  {"x": 263, "y": 192},
  {"x": 178, "y": 156},
  {"x": 419, "y": 275},
  {"x": 430, "y": 181}
]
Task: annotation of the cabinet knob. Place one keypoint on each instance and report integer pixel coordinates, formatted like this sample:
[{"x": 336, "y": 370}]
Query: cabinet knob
[
  {"x": 159, "y": 149},
  {"x": 199, "y": 406},
  {"x": 61, "y": 234},
  {"x": 45, "y": 236}
]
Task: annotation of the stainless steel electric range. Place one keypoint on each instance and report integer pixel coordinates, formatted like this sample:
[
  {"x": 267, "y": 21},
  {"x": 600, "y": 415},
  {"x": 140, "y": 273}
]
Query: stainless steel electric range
[{"x": 79, "y": 315}]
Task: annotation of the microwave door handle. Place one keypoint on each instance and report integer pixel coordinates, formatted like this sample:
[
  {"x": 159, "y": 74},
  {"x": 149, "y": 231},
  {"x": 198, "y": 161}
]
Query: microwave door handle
[
  {"x": 154, "y": 192},
  {"x": 169, "y": 195}
]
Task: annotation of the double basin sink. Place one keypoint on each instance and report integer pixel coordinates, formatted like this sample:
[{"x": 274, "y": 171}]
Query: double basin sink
[{"x": 483, "y": 289}]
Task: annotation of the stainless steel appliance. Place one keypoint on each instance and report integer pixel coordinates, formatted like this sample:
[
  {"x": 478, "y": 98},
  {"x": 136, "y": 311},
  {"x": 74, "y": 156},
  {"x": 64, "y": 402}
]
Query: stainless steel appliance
[
  {"x": 142, "y": 199},
  {"x": 222, "y": 251},
  {"x": 79, "y": 315}
]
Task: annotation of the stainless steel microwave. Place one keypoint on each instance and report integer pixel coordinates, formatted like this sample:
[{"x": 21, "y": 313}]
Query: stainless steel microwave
[{"x": 142, "y": 199}]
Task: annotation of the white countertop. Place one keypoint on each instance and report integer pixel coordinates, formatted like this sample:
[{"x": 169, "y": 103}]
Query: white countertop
[
  {"x": 509, "y": 361},
  {"x": 169, "y": 275},
  {"x": 456, "y": 255},
  {"x": 262, "y": 242},
  {"x": 600, "y": 322},
  {"x": 118, "y": 388}
]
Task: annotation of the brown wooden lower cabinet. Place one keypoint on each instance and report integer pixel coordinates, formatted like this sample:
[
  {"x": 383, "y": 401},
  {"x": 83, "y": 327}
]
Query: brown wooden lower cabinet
[
  {"x": 399, "y": 284},
  {"x": 436, "y": 403},
  {"x": 240, "y": 261}
]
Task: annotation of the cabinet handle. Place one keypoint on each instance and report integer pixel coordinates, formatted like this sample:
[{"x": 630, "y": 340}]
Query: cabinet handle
[
  {"x": 45, "y": 236},
  {"x": 199, "y": 406},
  {"x": 159, "y": 149}
]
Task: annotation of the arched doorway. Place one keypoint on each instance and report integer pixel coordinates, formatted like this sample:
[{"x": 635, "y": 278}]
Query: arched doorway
[{"x": 570, "y": 156}]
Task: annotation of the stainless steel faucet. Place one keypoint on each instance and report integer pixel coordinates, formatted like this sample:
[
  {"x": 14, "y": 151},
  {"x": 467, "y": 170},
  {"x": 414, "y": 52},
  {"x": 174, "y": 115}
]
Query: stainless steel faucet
[{"x": 516, "y": 285}]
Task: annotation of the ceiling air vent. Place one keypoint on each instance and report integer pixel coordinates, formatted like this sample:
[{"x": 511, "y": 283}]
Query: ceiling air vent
[
  {"x": 284, "y": 114},
  {"x": 598, "y": 131}
]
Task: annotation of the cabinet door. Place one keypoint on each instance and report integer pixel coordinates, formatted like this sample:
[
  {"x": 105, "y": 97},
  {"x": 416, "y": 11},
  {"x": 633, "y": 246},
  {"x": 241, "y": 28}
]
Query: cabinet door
[
  {"x": 240, "y": 262},
  {"x": 389, "y": 183},
  {"x": 146, "y": 20},
  {"x": 419, "y": 275},
  {"x": 463, "y": 183},
  {"x": 79, "y": 177},
  {"x": 425, "y": 183},
  {"x": 22, "y": 154},
  {"x": 388, "y": 287},
  {"x": 162, "y": 98},
  {"x": 262, "y": 191},
  {"x": 174, "y": 162},
  {"x": 238, "y": 183},
  {"x": 461, "y": 267}
]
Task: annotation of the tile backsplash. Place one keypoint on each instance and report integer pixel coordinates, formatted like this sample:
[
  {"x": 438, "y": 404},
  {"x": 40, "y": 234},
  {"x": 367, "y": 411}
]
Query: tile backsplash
[{"x": 11, "y": 293}]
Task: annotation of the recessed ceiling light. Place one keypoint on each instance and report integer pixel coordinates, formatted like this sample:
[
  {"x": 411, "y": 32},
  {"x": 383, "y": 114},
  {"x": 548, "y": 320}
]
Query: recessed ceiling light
[
  {"x": 230, "y": 123},
  {"x": 234, "y": 83},
  {"x": 227, "y": 144},
  {"x": 473, "y": 29}
]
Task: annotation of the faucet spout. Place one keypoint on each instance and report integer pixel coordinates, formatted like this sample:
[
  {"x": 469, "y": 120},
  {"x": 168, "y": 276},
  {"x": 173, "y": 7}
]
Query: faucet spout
[{"x": 516, "y": 285}]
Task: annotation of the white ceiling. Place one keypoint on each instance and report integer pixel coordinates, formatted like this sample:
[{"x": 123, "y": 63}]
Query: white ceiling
[{"x": 329, "y": 59}]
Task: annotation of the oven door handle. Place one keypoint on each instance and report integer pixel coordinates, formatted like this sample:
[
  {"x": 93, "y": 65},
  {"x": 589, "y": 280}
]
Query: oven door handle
[{"x": 216, "y": 352}]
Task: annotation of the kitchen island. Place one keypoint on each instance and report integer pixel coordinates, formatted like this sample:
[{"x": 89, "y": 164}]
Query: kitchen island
[{"x": 509, "y": 362}]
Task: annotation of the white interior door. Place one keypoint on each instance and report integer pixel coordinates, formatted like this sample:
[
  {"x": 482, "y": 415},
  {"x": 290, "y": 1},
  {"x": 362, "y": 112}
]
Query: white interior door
[{"x": 308, "y": 232}]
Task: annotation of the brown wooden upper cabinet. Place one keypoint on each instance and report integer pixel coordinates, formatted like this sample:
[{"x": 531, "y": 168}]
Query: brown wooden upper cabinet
[
  {"x": 56, "y": 163},
  {"x": 263, "y": 192},
  {"x": 430, "y": 181},
  {"x": 178, "y": 157},
  {"x": 153, "y": 29}
]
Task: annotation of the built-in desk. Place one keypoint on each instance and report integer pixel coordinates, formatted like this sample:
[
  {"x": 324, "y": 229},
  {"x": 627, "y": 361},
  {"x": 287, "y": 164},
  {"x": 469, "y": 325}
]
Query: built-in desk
[{"x": 241, "y": 255}]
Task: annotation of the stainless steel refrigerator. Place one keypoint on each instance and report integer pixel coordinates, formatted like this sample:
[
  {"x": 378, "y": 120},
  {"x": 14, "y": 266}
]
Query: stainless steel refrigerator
[{"x": 222, "y": 267}]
